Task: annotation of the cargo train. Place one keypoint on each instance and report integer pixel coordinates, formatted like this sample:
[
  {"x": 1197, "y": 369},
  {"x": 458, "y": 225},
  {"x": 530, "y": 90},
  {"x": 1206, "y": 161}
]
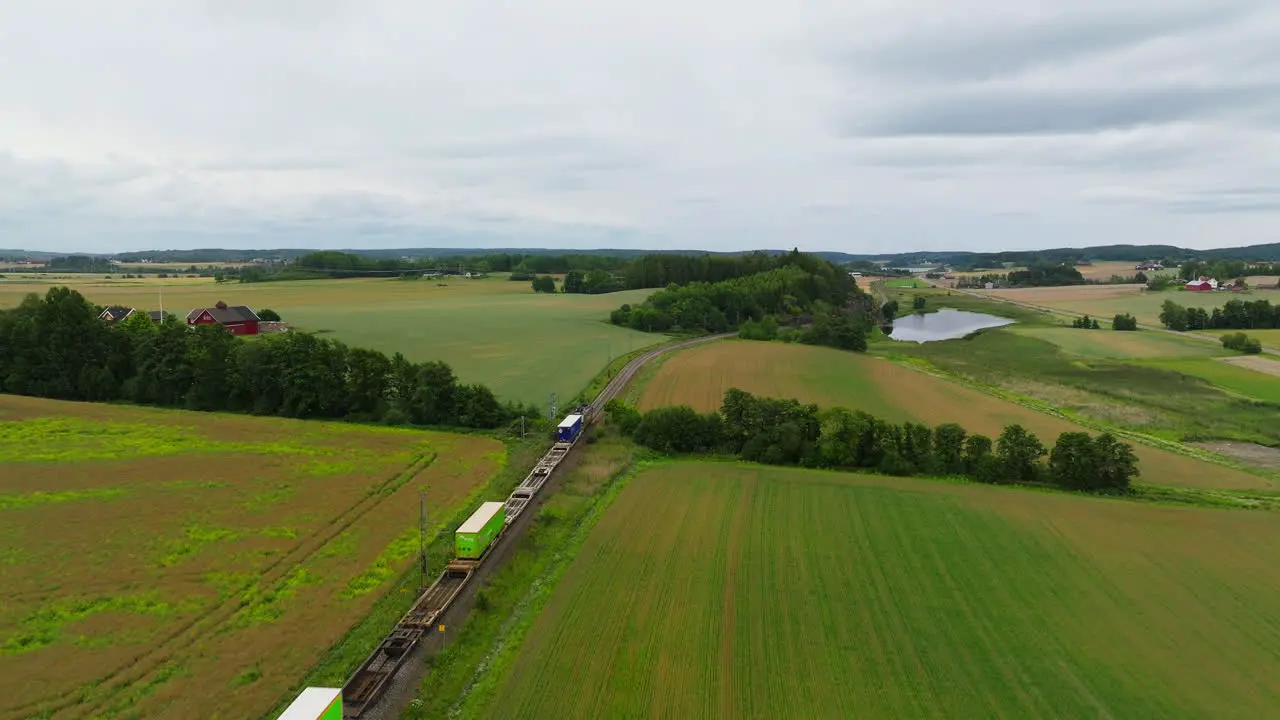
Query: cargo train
[{"x": 473, "y": 538}]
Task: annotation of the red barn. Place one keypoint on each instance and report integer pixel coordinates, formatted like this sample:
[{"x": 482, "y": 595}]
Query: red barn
[
  {"x": 1204, "y": 284},
  {"x": 238, "y": 319}
]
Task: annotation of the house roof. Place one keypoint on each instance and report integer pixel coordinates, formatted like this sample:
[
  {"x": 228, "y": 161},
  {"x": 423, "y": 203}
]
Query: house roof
[
  {"x": 116, "y": 313},
  {"x": 155, "y": 315},
  {"x": 223, "y": 316}
]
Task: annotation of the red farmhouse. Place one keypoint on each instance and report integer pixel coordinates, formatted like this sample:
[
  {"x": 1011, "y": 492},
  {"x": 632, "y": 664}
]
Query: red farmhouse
[{"x": 238, "y": 320}]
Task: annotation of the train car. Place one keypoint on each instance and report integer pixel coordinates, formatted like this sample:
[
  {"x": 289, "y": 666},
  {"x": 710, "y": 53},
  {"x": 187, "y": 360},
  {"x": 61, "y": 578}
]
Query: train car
[
  {"x": 474, "y": 536},
  {"x": 315, "y": 703},
  {"x": 569, "y": 429}
]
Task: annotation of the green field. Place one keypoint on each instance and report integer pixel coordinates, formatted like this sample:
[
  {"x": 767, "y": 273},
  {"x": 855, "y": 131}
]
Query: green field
[
  {"x": 523, "y": 346},
  {"x": 1250, "y": 383},
  {"x": 725, "y": 590},
  {"x": 1106, "y": 343},
  {"x": 497, "y": 332}
]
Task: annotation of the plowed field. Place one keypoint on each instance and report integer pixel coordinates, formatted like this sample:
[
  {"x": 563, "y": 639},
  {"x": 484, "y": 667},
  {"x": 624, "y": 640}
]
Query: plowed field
[
  {"x": 165, "y": 564},
  {"x": 732, "y": 591},
  {"x": 700, "y": 376}
]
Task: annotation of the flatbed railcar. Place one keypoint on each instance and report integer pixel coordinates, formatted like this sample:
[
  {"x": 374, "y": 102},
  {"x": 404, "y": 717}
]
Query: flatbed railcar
[{"x": 366, "y": 685}]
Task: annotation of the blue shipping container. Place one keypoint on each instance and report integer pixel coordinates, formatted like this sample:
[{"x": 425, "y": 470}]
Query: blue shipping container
[{"x": 569, "y": 429}]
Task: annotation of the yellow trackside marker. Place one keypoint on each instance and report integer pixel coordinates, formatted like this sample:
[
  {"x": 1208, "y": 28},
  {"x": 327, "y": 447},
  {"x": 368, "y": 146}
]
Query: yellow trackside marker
[{"x": 441, "y": 628}]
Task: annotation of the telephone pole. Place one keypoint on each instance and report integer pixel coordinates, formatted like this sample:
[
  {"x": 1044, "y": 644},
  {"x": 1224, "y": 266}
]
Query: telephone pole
[
  {"x": 422, "y": 533},
  {"x": 553, "y": 407}
]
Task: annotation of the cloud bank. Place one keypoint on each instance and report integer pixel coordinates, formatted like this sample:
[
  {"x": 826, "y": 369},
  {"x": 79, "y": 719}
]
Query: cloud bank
[{"x": 862, "y": 127}]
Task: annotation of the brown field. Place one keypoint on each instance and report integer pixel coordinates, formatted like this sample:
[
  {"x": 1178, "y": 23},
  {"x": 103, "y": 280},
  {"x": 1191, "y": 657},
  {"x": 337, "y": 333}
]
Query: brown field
[
  {"x": 1254, "y": 362},
  {"x": 725, "y": 590},
  {"x": 700, "y": 375},
  {"x": 1104, "y": 270},
  {"x": 166, "y": 564}
]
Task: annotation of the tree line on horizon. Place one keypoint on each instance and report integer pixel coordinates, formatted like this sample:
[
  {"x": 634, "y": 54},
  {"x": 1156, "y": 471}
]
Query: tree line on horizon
[
  {"x": 57, "y": 347},
  {"x": 777, "y": 431}
]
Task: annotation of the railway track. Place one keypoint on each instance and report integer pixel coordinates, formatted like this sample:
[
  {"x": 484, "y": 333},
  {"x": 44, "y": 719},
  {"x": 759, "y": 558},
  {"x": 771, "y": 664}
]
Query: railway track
[{"x": 366, "y": 686}]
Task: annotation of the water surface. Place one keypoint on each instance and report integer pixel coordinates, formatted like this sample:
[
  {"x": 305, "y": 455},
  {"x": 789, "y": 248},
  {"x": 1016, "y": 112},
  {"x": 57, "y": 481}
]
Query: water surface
[{"x": 946, "y": 324}]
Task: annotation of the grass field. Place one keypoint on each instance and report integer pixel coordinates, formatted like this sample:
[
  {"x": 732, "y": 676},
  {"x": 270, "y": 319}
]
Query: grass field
[
  {"x": 699, "y": 377},
  {"x": 1106, "y": 343},
  {"x": 724, "y": 590},
  {"x": 1106, "y": 301},
  {"x": 1236, "y": 378},
  {"x": 165, "y": 564},
  {"x": 496, "y": 332}
]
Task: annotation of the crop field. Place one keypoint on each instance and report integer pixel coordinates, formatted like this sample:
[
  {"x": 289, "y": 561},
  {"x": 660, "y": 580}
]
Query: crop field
[
  {"x": 166, "y": 564},
  {"x": 1243, "y": 379},
  {"x": 494, "y": 331},
  {"x": 1105, "y": 301},
  {"x": 728, "y": 590},
  {"x": 1106, "y": 343},
  {"x": 700, "y": 376}
]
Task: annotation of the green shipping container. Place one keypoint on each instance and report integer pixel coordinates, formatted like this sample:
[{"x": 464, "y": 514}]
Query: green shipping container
[{"x": 474, "y": 536}]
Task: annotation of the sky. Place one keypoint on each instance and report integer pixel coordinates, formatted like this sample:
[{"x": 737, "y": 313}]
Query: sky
[{"x": 863, "y": 127}]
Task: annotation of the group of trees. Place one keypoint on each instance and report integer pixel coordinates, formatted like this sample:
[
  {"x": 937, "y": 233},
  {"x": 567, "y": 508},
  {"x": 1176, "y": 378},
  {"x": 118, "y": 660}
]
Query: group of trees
[
  {"x": 786, "y": 432},
  {"x": 1124, "y": 321},
  {"x": 828, "y": 326},
  {"x": 56, "y": 347},
  {"x": 798, "y": 286},
  {"x": 1234, "y": 315},
  {"x": 1242, "y": 343},
  {"x": 1085, "y": 322}
]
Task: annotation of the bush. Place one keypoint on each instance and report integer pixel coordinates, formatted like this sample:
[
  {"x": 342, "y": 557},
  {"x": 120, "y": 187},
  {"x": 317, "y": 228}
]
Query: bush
[
  {"x": 766, "y": 329},
  {"x": 269, "y": 315},
  {"x": 918, "y": 302},
  {"x": 1124, "y": 322},
  {"x": 1242, "y": 343}
]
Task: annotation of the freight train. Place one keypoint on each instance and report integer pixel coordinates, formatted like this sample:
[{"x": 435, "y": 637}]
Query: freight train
[{"x": 474, "y": 537}]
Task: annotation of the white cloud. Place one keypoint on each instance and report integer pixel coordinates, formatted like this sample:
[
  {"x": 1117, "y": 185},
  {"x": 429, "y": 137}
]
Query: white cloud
[{"x": 861, "y": 127}]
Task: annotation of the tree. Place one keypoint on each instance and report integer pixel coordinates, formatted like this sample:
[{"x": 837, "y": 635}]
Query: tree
[
  {"x": 544, "y": 284},
  {"x": 918, "y": 302},
  {"x": 269, "y": 315},
  {"x": 678, "y": 429},
  {"x": 948, "y": 448},
  {"x": 889, "y": 310},
  {"x": 1072, "y": 464},
  {"x": 574, "y": 282},
  {"x": 1124, "y": 321},
  {"x": 979, "y": 462},
  {"x": 1019, "y": 453},
  {"x": 1173, "y": 316},
  {"x": 1116, "y": 463},
  {"x": 1242, "y": 343}
]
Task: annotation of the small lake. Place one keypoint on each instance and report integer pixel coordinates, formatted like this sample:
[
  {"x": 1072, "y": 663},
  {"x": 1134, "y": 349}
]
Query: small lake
[{"x": 945, "y": 324}]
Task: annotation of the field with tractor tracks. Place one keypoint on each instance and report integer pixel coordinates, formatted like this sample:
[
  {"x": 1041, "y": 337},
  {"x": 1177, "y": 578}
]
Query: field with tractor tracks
[
  {"x": 827, "y": 377},
  {"x": 729, "y": 590},
  {"x": 166, "y": 564}
]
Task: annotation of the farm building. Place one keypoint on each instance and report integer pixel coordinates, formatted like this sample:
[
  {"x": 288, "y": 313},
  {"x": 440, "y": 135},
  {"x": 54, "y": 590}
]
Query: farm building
[
  {"x": 1202, "y": 284},
  {"x": 238, "y": 319},
  {"x": 116, "y": 313}
]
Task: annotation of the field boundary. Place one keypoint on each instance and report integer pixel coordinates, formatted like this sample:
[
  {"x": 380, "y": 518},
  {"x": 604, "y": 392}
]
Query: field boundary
[{"x": 105, "y": 689}]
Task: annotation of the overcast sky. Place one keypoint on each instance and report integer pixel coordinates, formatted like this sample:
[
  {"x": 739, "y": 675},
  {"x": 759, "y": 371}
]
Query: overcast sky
[{"x": 853, "y": 125}]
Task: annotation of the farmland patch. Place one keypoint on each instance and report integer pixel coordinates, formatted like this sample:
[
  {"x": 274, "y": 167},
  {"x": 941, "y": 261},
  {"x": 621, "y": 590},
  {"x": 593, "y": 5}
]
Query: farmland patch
[
  {"x": 153, "y": 557},
  {"x": 1106, "y": 343},
  {"x": 699, "y": 376},
  {"x": 741, "y": 591}
]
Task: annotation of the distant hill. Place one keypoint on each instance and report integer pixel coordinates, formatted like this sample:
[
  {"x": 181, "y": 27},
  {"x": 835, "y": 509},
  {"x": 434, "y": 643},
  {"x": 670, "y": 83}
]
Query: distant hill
[{"x": 1128, "y": 253}]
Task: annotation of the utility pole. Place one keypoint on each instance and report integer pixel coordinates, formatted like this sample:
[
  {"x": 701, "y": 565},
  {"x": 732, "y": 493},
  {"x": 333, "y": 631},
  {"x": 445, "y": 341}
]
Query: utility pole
[
  {"x": 422, "y": 533},
  {"x": 553, "y": 407},
  {"x": 521, "y": 427}
]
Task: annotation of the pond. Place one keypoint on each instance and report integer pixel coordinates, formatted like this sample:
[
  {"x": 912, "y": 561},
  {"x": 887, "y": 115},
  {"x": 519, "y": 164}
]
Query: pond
[{"x": 946, "y": 324}]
